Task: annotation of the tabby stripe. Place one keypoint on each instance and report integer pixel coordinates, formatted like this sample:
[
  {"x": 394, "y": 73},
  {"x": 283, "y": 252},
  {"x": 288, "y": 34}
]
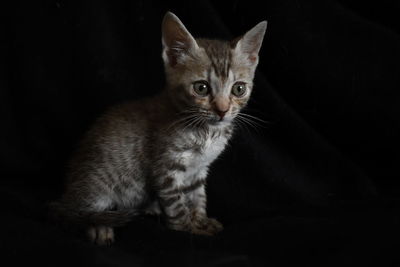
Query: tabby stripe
[
  {"x": 209, "y": 74},
  {"x": 174, "y": 166},
  {"x": 172, "y": 192},
  {"x": 228, "y": 65},
  {"x": 185, "y": 189},
  {"x": 167, "y": 183},
  {"x": 165, "y": 168},
  {"x": 216, "y": 69},
  {"x": 166, "y": 202},
  {"x": 176, "y": 148},
  {"x": 193, "y": 186}
]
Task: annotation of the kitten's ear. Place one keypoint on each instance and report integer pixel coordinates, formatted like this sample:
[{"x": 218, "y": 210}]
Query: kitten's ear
[
  {"x": 176, "y": 39},
  {"x": 250, "y": 43}
]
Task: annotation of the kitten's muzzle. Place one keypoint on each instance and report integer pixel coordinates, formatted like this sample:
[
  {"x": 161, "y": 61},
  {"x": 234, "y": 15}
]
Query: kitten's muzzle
[
  {"x": 220, "y": 106},
  {"x": 221, "y": 113}
]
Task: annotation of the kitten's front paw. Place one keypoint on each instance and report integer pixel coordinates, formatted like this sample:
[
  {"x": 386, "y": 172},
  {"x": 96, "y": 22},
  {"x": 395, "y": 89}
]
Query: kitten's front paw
[
  {"x": 215, "y": 225},
  {"x": 206, "y": 226},
  {"x": 101, "y": 235}
]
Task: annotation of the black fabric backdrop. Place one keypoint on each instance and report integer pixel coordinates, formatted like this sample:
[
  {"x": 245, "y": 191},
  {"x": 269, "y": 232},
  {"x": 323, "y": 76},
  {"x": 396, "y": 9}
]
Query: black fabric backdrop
[{"x": 317, "y": 186}]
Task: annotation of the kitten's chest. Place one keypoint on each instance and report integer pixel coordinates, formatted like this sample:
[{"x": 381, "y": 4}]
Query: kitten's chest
[
  {"x": 198, "y": 151},
  {"x": 209, "y": 150}
]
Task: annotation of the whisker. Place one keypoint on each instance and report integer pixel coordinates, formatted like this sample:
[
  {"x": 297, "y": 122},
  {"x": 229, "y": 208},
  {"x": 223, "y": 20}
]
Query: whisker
[
  {"x": 252, "y": 121},
  {"x": 203, "y": 120},
  {"x": 253, "y": 117},
  {"x": 191, "y": 123},
  {"x": 180, "y": 121},
  {"x": 189, "y": 113},
  {"x": 241, "y": 124}
]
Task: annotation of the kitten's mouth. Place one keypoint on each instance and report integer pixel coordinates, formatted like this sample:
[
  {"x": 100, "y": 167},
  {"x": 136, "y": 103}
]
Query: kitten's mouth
[{"x": 216, "y": 121}]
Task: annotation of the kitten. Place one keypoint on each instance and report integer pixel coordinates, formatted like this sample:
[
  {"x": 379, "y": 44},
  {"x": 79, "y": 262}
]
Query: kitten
[{"x": 153, "y": 155}]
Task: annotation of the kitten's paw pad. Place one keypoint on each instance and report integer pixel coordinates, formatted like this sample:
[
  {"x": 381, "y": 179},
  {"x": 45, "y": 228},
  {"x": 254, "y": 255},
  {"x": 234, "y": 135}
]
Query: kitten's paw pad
[{"x": 101, "y": 235}]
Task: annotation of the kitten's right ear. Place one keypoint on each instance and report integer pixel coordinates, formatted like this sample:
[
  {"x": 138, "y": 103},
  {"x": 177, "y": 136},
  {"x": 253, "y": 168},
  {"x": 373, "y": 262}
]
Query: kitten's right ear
[{"x": 176, "y": 39}]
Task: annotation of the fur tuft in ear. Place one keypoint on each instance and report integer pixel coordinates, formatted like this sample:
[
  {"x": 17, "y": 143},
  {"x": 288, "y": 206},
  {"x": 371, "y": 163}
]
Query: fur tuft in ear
[
  {"x": 176, "y": 39},
  {"x": 250, "y": 43}
]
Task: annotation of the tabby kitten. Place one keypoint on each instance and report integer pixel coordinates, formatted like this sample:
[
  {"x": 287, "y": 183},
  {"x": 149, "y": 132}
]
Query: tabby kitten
[{"x": 153, "y": 155}]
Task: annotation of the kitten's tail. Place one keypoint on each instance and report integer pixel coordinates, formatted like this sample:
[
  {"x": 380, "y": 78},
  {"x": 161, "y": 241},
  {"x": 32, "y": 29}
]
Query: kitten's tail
[{"x": 64, "y": 214}]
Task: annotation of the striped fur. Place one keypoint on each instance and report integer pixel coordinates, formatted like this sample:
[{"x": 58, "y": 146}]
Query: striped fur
[{"x": 152, "y": 156}]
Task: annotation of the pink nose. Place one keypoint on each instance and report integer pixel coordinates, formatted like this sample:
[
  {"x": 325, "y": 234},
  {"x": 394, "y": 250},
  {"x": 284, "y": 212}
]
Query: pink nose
[{"x": 221, "y": 113}]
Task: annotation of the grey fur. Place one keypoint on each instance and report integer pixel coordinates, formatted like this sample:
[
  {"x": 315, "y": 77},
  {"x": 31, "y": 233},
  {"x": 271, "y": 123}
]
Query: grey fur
[{"x": 153, "y": 155}]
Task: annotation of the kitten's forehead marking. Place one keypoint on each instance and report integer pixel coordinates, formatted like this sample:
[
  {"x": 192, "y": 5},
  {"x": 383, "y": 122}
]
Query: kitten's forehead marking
[
  {"x": 221, "y": 86},
  {"x": 220, "y": 55}
]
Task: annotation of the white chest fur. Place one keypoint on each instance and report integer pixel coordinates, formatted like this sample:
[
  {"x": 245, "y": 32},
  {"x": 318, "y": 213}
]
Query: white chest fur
[
  {"x": 205, "y": 151},
  {"x": 199, "y": 155},
  {"x": 211, "y": 149}
]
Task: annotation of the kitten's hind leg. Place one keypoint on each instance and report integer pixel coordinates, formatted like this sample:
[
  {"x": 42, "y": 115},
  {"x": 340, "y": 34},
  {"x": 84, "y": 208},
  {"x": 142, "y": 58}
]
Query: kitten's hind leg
[{"x": 101, "y": 235}]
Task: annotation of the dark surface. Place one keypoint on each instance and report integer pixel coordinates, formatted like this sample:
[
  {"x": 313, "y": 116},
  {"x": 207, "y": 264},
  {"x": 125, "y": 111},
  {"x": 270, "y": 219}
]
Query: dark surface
[{"x": 317, "y": 186}]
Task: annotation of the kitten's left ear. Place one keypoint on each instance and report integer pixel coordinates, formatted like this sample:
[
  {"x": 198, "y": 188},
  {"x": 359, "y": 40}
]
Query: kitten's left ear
[
  {"x": 249, "y": 44},
  {"x": 176, "y": 39}
]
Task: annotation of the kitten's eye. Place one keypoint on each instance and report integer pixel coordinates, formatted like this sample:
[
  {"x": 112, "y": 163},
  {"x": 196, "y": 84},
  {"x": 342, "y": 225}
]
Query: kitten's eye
[
  {"x": 201, "y": 88},
  {"x": 239, "y": 89}
]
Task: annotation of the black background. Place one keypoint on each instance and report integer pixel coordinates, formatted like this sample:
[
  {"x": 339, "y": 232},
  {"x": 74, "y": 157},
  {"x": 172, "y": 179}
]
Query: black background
[{"x": 316, "y": 186}]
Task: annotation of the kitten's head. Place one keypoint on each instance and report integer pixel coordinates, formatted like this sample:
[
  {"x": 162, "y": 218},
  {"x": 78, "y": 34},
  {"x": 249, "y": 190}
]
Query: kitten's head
[{"x": 209, "y": 79}]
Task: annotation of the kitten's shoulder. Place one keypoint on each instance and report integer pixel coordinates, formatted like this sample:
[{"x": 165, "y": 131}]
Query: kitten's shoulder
[
  {"x": 141, "y": 112},
  {"x": 142, "y": 107}
]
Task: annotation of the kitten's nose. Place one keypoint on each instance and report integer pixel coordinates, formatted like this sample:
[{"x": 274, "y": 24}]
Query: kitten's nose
[
  {"x": 221, "y": 106},
  {"x": 221, "y": 113}
]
